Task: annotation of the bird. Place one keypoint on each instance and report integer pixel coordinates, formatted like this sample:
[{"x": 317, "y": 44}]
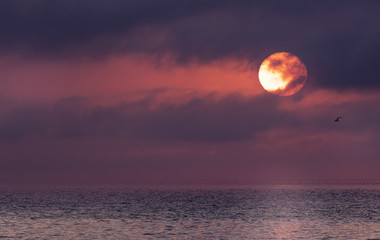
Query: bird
[{"x": 337, "y": 119}]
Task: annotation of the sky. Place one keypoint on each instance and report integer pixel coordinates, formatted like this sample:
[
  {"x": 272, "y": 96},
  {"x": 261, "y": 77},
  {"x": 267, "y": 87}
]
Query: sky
[{"x": 152, "y": 91}]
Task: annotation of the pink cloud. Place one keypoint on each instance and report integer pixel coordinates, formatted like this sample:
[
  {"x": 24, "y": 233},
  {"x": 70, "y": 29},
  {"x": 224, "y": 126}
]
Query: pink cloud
[{"x": 115, "y": 79}]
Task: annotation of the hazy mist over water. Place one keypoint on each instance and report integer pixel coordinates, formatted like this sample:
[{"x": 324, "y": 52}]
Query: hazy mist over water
[{"x": 250, "y": 212}]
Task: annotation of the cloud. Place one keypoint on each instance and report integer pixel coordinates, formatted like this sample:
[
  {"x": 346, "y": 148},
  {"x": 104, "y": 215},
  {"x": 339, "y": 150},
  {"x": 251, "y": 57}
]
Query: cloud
[
  {"x": 51, "y": 28},
  {"x": 49, "y": 50},
  {"x": 204, "y": 137},
  {"x": 338, "y": 41},
  {"x": 201, "y": 118}
]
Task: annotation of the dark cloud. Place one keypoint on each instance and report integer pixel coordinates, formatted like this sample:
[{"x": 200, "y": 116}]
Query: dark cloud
[
  {"x": 55, "y": 28},
  {"x": 202, "y": 119},
  {"x": 209, "y": 136},
  {"x": 337, "y": 40}
]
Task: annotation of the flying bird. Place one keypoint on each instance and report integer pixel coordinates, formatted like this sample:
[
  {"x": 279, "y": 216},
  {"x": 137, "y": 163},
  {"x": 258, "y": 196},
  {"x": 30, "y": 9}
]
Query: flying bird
[{"x": 337, "y": 119}]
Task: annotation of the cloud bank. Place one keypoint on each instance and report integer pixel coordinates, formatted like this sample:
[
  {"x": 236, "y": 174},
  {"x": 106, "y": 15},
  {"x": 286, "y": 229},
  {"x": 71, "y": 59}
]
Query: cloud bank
[{"x": 338, "y": 41}]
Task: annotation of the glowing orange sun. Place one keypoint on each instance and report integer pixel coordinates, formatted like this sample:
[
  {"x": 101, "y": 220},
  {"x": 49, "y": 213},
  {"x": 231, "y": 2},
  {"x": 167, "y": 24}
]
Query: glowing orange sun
[{"x": 282, "y": 74}]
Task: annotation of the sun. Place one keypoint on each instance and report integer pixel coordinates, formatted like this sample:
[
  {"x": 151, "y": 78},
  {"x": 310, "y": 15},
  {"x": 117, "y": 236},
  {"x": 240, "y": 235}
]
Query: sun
[{"x": 282, "y": 74}]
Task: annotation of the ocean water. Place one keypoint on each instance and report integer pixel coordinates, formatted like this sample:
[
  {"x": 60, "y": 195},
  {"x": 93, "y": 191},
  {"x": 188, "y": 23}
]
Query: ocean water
[{"x": 250, "y": 212}]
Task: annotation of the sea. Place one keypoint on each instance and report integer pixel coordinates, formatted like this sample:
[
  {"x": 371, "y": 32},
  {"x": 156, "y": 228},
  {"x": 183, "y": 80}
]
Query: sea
[{"x": 196, "y": 212}]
